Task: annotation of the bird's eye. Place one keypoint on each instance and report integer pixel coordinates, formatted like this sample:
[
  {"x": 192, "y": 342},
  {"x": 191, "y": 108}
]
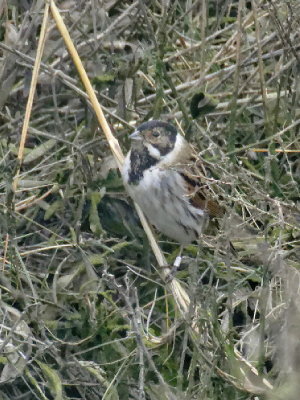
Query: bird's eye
[{"x": 155, "y": 134}]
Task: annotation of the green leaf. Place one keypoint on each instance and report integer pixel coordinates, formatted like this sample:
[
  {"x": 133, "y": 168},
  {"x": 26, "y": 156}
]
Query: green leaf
[
  {"x": 95, "y": 224},
  {"x": 39, "y": 151},
  {"x": 201, "y": 104},
  {"x": 53, "y": 379},
  {"x": 55, "y": 206}
]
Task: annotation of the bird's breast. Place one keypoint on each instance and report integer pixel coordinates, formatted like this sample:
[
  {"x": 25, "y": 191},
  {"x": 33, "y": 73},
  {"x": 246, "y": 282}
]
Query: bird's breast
[{"x": 162, "y": 196}]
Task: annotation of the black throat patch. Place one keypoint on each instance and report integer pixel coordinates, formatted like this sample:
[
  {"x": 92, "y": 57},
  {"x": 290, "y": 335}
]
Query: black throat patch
[
  {"x": 140, "y": 160},
  {"x": 165, "y": 147}
]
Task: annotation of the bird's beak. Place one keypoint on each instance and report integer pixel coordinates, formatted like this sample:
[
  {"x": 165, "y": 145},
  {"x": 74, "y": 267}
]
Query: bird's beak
[{"x": 136, "y": 135}]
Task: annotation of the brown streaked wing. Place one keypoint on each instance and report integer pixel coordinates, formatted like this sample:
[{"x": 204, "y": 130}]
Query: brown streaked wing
[{"x": 198, "y": 191}]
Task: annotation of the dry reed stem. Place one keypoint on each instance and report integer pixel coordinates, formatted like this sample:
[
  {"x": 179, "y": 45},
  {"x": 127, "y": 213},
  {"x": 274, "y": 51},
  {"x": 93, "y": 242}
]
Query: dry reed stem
[{"x": 35, "y": 72}]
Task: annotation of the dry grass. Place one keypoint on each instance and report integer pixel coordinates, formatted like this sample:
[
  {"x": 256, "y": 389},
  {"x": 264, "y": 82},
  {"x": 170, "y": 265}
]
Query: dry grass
[{"x": 85, "y": 312}]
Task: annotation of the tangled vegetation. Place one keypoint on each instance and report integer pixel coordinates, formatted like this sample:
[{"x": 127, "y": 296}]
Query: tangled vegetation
[{"x": 85, "y": 311}]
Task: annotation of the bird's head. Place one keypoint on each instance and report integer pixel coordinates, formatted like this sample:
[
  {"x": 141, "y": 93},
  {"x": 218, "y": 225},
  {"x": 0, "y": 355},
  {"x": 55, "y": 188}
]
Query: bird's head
[{"x": 160, "y": 140}]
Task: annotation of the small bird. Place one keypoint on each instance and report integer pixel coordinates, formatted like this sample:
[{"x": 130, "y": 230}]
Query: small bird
[{"x": 164, "y": 175}]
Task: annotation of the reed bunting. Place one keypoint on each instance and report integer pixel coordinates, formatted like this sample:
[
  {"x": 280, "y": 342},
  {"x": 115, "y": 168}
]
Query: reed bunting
[{"x": 165, "y": 177}]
